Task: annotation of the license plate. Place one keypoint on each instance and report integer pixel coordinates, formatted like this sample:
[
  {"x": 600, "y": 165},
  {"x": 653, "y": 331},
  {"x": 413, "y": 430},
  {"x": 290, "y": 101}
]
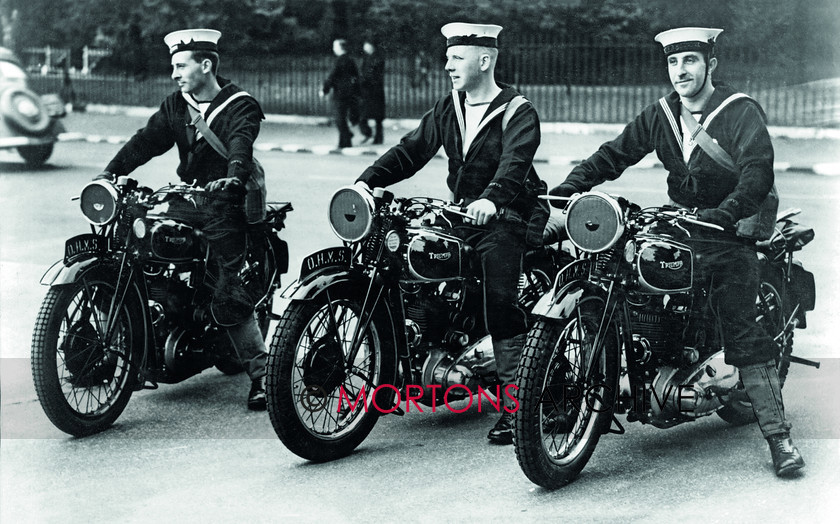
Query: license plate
[
  {"x": 83, "y": 246},
  {"x": 333, "y": 256}
]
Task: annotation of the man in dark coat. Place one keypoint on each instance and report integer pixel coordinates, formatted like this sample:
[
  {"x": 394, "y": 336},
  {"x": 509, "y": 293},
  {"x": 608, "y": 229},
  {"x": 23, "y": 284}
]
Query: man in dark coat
[
  {"x": 344, "y": 84},
  {"x": 373, "y": 91},
  {"x": 234, "y": 116},
  {"x": 726, "y": 262},
  {"x": 491, "y": 172}
]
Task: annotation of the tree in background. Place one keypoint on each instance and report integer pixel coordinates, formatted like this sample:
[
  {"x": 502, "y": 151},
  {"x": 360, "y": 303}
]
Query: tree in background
[{"x": 797, "y": 35}]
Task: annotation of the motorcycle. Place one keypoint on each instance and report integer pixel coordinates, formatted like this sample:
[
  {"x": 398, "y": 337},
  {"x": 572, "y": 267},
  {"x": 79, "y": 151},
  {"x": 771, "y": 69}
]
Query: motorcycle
[
  {"x": 128, "y": 306},
  {"x": 397, "y": 308},
  {"x": 626, "y": 330}
]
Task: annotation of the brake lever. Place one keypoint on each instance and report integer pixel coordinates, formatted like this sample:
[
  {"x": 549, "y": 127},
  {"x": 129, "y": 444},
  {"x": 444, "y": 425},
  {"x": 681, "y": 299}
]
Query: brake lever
[{"x": 682, "y": 216}]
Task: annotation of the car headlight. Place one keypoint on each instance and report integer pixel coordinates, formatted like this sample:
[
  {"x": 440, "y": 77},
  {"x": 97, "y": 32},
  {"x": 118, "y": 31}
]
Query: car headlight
[
  {"x": 26, "y": 107},
  {"x": 99, "y": 202},
  {"x": 351, "y": 213}
]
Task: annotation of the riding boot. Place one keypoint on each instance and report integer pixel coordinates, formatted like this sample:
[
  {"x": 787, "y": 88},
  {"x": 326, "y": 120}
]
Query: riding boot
[
  {"x": 762, "y": 386},
  {"x": 507, "y": 352},
  {"x": 249, "y": 345},
  {"x": 502, "y": 432},
  {"x": 256, "y": 396}
]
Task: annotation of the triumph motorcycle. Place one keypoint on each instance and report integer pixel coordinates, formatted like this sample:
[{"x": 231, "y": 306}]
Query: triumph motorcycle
[
  {"x": 626, "y": 330},
  {"x": 128, "y": 306},
  {"x": 397, "y": 309}
]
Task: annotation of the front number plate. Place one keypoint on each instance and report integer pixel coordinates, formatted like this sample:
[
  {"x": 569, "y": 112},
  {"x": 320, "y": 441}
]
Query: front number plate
[
  {"x": 333, "y": 256},
  {"x": 83, "y": 246}
]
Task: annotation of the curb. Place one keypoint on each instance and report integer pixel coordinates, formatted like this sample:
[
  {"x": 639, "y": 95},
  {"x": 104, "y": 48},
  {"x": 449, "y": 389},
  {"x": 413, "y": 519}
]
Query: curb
[
  {"x": 573, "y": 128},
  {"x": 821, "y": 169}
]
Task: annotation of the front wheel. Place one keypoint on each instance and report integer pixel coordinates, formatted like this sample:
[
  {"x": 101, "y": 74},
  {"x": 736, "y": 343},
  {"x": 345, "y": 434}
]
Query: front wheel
[
  {"x": 321, "y": 396},
  {"x": 84, "y": 355},
  {"x": 567, "y": 387},
  {"x": 35, "y": 156}
]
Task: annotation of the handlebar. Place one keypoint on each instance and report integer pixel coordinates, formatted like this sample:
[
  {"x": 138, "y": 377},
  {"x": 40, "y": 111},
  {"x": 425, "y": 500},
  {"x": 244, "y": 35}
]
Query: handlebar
[{"x": 684, "y": 215}]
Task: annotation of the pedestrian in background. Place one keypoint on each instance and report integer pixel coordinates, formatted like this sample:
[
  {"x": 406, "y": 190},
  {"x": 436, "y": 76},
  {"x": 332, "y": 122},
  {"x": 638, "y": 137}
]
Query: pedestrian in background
[
  {"x": 343, "y": 82},
  {"x": 373, "y": 91}
]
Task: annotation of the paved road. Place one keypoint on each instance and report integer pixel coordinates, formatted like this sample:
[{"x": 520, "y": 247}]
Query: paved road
[{"x": 191, "y": 452}]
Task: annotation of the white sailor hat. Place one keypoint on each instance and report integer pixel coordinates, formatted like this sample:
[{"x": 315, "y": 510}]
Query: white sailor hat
[
  {"x": 688, "y": 39},
  {"x": 192, "y": 40},
  {"x": 461, "y": 33}
]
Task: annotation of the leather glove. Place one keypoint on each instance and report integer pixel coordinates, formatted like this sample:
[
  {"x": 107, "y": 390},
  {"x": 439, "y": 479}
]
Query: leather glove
[
  {"x": 106, "y": 175},
  {"x": 563, "y": 190},
  {"x": 718, "y": 217},
  {"x": 225, "y": 184}
]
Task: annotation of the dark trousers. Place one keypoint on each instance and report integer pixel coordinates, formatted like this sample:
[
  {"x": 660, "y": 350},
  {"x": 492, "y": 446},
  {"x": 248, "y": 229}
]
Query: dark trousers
[
  {"x": 500, "y": 246},
  {"x": 221, "y": 218},
  {"x": 364, "y": 127},
  {"x": 345, "y": 110},
  {"x": 730, "y": 272}
]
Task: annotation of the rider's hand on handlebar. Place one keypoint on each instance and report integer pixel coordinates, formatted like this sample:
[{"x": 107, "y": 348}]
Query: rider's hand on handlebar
[
  {"x": 563, "y": 190},
  {"x": 716, "y": 216},
  {"x": 361, "y": 184},
  {"x": 225, "y": 184},
  {"x": 106, "y": 175},
  {"x": 481, "y": 211}
]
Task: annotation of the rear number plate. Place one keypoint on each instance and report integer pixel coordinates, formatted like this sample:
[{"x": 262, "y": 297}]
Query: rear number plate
[
  {"x": 333, "y": 256},
  {"x": 83, "y": 246}
]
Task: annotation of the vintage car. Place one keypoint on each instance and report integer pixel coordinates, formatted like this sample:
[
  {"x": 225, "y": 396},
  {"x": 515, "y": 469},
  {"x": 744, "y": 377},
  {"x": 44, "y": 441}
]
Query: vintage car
[{"x": 28, "y": 122}]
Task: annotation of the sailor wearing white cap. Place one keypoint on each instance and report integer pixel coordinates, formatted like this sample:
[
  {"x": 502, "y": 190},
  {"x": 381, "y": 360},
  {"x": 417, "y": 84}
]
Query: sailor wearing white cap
[
  {"x": 490, "y": 134},
  {"x": 727, "y": 175},
  {"x": 206, "y": 110},
  {"x": 192, "y": 40},
  {"x": 690, "y": 77}
]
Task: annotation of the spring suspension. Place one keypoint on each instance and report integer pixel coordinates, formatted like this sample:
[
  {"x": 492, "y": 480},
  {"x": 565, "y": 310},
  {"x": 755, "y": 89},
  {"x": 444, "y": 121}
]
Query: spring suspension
[
  {"x": 374, "y": 240},
  {"x": 606, "y": 263}
]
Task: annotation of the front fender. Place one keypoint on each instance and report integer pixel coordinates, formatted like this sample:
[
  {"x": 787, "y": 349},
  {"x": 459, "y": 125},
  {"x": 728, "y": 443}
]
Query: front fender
[
  {"x": 561, "y": 302},
  {"x": 312, "y": 286},
  {"x": 59, "y": 274}
]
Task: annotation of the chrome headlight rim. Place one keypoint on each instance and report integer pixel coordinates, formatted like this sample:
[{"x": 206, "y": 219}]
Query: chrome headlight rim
[
  {"x": 112, "y": 192},
  {"x": 369, "y": 205},
  {"x": 616, "y": 208}
]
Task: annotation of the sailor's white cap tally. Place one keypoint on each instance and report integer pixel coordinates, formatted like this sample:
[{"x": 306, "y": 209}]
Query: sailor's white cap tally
[
  {"x": 192, "y": 40},
  {"x": 461, "y": 33},
  {"x": 688, "y": 39}
]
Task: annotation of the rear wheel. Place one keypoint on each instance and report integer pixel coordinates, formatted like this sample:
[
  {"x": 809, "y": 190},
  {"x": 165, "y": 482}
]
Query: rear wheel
[
  {"x": 313, "y": 382},
  {"x": 772, "y": 314},
  {"x": 84, "y": 359},
  {"x": 567, "y": 388}
]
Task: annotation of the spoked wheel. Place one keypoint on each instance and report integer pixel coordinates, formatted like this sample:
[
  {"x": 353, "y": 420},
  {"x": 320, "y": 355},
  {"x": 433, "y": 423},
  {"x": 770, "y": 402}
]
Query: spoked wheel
[
  {"x": 533, "y": 284},
  {"x": 772, "y": 315},
  {"x": 84, "y": 360},
  {"x": 320, "y": 396},
  {"x": 567, "y": 388}
]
